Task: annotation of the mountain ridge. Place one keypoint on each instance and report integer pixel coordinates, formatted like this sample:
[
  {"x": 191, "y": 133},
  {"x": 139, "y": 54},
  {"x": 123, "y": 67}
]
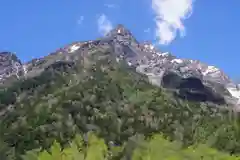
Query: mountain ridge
[{"x": 145, "y": 57}]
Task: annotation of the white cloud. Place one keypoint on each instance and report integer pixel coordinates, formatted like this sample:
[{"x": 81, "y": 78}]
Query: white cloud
[
  {"x": 80, "y": 20},
  {"x": 110, "y": 5},
  {"x": 104, "y": 25},
  {"x": 170, "y": 15},
  {"x": 147, "y": 30}
]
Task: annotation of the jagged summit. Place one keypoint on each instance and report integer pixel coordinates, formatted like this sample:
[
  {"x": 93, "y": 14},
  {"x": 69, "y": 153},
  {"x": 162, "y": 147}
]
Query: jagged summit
[
  {"x": 9, "y": 55},
  {"x": 120, "y": 32}
]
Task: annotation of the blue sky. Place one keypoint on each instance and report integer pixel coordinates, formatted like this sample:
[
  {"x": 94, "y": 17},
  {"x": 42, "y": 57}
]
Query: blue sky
[{"x": 35, "y": 28}]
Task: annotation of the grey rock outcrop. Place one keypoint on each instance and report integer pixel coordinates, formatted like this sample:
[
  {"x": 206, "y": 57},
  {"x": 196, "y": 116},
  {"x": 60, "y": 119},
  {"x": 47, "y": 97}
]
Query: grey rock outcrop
[{"x": 10, "y": 66}]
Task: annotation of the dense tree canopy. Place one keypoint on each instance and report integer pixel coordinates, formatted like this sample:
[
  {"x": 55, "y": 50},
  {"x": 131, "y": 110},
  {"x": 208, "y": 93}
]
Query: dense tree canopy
[{"x": 115, "y": 103}]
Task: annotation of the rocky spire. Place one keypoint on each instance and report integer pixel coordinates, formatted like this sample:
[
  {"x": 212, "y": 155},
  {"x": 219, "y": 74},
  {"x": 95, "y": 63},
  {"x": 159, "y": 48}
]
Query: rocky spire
[{"x": 120, "y": 32}]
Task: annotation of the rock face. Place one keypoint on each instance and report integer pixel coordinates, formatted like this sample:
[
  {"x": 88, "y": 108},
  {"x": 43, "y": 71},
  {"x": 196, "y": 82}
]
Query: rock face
[
  {"x": 10, "y": 66},
  {"x": 189, "y": 79}
]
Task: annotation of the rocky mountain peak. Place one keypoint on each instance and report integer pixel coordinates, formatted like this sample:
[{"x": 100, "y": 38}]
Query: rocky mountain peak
[
  {"x": 121, "y": 34},
  {"x": 149, "y": 60},
  {"x": 162, "y": 68},
  {"x": 118, "y": 30},
  {"x": 8, "y": 56},
  {"x": 9, "y": 65}
]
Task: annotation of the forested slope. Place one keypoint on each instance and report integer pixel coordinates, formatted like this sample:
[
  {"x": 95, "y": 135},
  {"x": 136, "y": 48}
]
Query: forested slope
[{"x": 115, "y": 103}]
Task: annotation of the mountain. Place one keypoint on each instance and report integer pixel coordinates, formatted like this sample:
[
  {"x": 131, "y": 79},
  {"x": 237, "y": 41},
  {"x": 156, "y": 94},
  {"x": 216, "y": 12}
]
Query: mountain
[
  {"x": 189, "y": 79},
  {"x": 102, "y": 86}
]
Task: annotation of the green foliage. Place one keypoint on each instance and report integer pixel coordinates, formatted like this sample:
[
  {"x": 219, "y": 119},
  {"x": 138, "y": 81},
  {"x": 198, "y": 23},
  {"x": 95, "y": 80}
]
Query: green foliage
[
  {"x": 94, "y": 149},
  {"x": 113, "y": 101},
  {"x": 154, "y": 148},
  {"x": 158, "y": 147}
]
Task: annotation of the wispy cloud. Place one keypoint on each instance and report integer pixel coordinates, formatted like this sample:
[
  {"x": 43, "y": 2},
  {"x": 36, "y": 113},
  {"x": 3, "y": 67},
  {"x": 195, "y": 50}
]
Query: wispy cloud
[
  {"x": 104, "y": 24},
  {"x": 80, "y": 20},
  {"x": 169, "y": 18},
  {"x": 147, "y": 30},
  {"x": 110, "y": 5}
]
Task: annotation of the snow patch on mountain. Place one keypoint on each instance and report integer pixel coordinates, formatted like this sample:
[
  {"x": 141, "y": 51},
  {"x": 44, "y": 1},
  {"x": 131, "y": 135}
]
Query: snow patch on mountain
[
  {"x": 210, "y": 69},
  {"x": 177, "y": 60},
  {"x": 74, "y": 48},
  {"x": 235, "y": 92}
]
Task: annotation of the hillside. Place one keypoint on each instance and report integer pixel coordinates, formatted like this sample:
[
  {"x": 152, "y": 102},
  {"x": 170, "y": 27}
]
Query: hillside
[{"x": 94, "y": 87}]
